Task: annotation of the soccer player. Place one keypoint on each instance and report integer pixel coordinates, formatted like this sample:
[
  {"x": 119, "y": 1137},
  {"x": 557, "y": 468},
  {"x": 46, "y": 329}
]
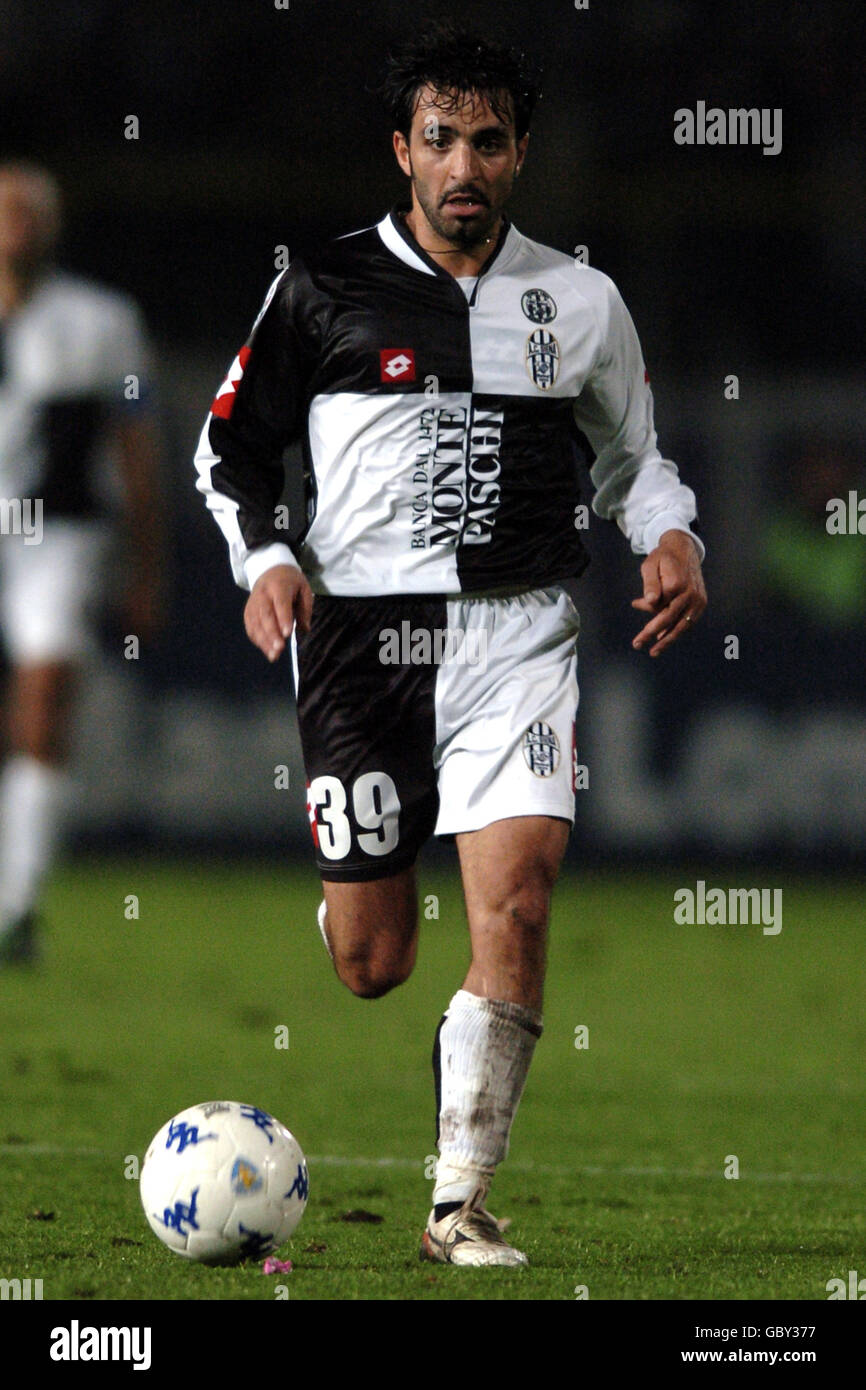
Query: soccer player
[
  {"x": 73, "y": 416},
  {"x": 442, "y": 371}
]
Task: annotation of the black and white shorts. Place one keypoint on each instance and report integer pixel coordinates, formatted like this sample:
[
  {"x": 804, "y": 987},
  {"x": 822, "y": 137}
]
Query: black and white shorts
[
  {"x": 432, "y": 715},
  {"x": 49, "y": 591}
]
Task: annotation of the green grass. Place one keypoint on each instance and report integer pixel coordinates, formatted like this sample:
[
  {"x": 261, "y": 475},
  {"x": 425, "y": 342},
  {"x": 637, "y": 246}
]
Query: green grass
[{"x": 704, "y": 1042}]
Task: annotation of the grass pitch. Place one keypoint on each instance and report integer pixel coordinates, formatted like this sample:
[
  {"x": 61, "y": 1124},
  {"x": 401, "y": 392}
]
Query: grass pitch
[{"x": 710, "y": 1049}]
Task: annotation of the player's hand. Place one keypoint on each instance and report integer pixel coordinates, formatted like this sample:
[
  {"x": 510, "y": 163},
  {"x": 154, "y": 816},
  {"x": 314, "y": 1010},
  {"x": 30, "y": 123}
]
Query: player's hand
[
  {"x": 280, "y": 598},
  {"x": 673, "y": 590}
]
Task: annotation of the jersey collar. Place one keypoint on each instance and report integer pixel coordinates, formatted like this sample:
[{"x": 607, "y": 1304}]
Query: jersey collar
[{"x": 400, "y": 241}]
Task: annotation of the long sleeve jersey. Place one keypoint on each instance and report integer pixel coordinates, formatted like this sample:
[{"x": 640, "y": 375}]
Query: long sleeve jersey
[{"x": 442, "y": 422}]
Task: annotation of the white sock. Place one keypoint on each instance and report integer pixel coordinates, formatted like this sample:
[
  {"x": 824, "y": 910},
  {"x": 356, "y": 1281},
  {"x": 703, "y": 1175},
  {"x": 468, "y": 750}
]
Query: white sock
[
  {"x": 320, "y": 918},
  {"x": 33, "y": 800},
  {"x": 481, "y": 1058}
]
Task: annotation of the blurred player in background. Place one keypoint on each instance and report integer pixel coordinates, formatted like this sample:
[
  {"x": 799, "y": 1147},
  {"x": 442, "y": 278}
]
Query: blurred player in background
[{"x": 76, "y": 438}]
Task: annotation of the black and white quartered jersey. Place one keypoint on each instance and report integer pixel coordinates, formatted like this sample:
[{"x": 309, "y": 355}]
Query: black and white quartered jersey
[
  {"x": 72, "y": 358},
  {"x": 442, "y": 423}
]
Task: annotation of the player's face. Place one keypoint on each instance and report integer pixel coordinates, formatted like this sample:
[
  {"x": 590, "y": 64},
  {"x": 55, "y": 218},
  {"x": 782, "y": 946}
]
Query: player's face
[
  {"x": 26, "y": 221},
  {"x": 462, "y": 163}
]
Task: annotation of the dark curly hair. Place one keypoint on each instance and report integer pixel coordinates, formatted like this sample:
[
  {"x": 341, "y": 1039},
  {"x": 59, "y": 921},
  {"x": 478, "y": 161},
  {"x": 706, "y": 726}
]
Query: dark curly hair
[{"x": 454, "y": 60}]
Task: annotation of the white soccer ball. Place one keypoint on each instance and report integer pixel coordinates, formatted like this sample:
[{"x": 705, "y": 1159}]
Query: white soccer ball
[{"x": 223, "y": 1182}]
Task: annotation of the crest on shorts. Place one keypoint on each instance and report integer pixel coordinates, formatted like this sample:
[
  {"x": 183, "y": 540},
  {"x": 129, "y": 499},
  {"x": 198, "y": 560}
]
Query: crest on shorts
[
  {"x": 541, "y": 356},
  {"x": 538, "y": 305},
  {"x": 541, "y": 750}
]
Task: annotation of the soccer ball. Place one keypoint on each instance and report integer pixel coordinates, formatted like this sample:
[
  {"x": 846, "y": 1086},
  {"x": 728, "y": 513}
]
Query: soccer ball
[{"x": 223, "y": 1182}]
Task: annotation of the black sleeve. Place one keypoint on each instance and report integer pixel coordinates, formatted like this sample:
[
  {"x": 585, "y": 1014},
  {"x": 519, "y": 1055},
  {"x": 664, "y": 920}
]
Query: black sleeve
[{"x": 260, "y": 408}]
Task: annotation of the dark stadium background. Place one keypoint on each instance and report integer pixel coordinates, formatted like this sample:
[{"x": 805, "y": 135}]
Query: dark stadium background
[{"x": 259, "y": 128}]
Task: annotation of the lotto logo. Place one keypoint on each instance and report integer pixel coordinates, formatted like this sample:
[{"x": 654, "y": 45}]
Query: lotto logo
[
  {"x": 397, "y": 364},
  {"x": 311, "y": 813},
  {"x": 224, "y": 401}
]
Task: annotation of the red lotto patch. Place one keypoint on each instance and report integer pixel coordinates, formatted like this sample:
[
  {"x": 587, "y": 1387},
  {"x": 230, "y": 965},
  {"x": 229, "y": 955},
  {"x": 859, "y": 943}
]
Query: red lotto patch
[
  {"x": 311, "y": 813},
  {"x": 397, "y": 364},
  {"x": 224, "y": 400}
]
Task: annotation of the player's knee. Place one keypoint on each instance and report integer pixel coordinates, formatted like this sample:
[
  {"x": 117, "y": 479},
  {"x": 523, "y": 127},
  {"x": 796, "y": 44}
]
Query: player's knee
[
  {"x": 370, "y": 976},
  {"x": 522, "y": 908},
  {"x": 526, "y": 897},
  {"x": 40, "y": 741},
  {"x": 528, "y": 911},
  {"x": 39, "y": 721}
]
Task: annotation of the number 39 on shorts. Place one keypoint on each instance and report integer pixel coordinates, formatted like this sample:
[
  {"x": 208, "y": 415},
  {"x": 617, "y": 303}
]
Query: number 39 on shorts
[{"x": 376, "y": 809}]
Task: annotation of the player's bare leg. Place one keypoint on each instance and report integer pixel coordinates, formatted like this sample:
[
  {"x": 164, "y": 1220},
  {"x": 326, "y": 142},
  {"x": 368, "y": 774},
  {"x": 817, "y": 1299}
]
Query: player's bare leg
[
  {"x": 33, "y": 793},
  {"x": 40, "y": 699},
  {"x": 371, "y": 931},
  {"x": 509, "y": 870},
  {"x": 486, "y": 1040}
]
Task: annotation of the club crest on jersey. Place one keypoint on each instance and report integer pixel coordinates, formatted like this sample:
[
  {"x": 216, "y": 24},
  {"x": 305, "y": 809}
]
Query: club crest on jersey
[
  {"x": 541, "y": 356},
  {"x": 541, "y": 750},
  {"x": 397, "y": 364},
  {"x": 224, "y": 400},
  {"x": 538, "y": 305}
]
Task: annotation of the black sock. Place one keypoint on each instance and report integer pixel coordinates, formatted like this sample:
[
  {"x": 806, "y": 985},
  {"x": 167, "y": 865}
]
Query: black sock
[{"x": 443, "y": 1209}]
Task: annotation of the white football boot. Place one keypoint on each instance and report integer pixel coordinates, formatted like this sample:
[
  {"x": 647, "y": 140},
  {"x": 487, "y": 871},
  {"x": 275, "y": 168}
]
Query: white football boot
[{"x": 469, "y": 1236}]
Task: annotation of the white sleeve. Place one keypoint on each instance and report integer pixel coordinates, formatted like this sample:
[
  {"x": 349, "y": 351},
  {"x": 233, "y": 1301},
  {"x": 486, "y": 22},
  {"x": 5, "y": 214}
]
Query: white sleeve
[{"x": 634, "y": 485}]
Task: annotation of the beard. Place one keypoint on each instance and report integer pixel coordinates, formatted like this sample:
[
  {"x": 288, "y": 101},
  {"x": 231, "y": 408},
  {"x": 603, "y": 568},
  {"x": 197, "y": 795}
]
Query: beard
[{"x": 464, "y": 233}]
